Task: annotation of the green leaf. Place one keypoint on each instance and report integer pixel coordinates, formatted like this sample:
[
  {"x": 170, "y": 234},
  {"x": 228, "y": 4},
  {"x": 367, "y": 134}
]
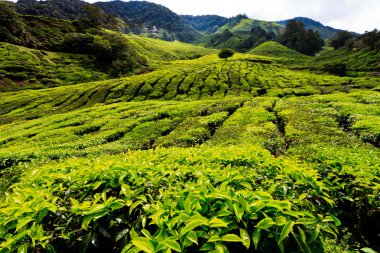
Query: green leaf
[
  {"x": 368, "y": 250},
  {"x": 280, "y": 220},
  {"x": 265, "y": 223},
  {"x": 134, "y": 205},
  {"x": 23, "y": 248},
  {"x": 303, "y": 246},
  {"x": 220, "y": 248},
  {"x": 246, "y": 240},
  {"x": 192, "y": 236},
  {"x": 302, "y": 196},
  {"x": 306, "y": 221},
  {"x": 143, "y": 244},
  {"x": 216, "y": 223},
  {"x": 231, "y": 238},
  {"x": 286, "y": 230},
  {"x": 336, "y": 221},
  {"x": 172, "y": 244},
  {"x": 85, "y": 242},
  {"x": 22, "y": 223},
  {"x": 256, "y": 237},
  {"x": 117, "y": 204},
  {"x": 214, "y": 238},
  {"x": 121, "y": 234},
  {"x": 207, "y": 247},
  {"x": 315, "y": 232},
  {"x": 193, "y": 224},
  {"x": 302, "y": 234}
]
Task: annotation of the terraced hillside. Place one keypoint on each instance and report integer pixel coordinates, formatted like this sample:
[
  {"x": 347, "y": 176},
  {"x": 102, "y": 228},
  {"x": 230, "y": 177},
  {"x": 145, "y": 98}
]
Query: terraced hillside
[
  {"x": 245, "y": 26},
  {"x": 359, "y": 62},
  {"x": 204, "y": 78},
  {"x": 24, "y": 68},
  {"x": 237, "y": 155}
]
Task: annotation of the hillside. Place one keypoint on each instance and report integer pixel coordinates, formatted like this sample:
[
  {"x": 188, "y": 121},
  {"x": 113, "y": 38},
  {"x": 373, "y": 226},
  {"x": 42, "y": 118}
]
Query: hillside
[
  {"x": 326, "y": 32},
  {"x": 24, "y": 68},
  {"x": 358, "y": 62},
  {"x": 274, "y": 49},
  {"x": 206, "y": 23},
  {"x": 62, "y": 9},
  {"x": 158, "y": 50},
  {"x": 244, "y": 26},
  {"x": 142, "y": 14}
]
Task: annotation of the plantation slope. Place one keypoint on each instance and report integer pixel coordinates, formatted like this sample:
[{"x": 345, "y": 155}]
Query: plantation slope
[
  {"x": 160, "y": 50},
  {"x": 304, "y": 159},
  {"x": 274, "y": 49},
  {"x": 358, "y": 62},
  {"x": 361, "y": 60},
  {"x": 204, "y": 78},
  {"x": 244, "y": 26},
  {"x": 280, "y": 125},
  {"x": 24, "y": 68}
]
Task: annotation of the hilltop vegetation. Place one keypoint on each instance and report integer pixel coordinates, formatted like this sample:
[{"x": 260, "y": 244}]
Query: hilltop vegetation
[
  {"x": 208, "y": 24},
  {"x": 326, "y": 32}
]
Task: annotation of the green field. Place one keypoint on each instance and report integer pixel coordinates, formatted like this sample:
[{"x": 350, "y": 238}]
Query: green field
[{"x": 262, "y": 152}]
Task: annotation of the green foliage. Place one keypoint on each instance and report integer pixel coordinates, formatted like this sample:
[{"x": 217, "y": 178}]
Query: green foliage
[
  {"x": 215, "y": 206},
  {"x": 23, "y": 68},
  {"x": 226, "y": 53},
  {"x": 304, "y": 41},
  {"x": 206, "y": 23}
]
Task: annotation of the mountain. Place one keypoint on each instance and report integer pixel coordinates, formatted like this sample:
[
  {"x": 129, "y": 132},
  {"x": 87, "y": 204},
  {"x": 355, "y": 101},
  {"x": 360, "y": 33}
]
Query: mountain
[
  {"x": 63, "y": 9},
  {"x": 242, "y": 25},
  {"x": 141, "y": 16},
  {"x": 326, "y": 32},
  {"x": 208, "y": 24},
  {"x": 145, "y": 15}
]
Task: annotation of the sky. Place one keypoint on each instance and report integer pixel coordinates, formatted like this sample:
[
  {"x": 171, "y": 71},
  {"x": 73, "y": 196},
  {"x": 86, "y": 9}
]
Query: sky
[{"x": 352, "y": 15}]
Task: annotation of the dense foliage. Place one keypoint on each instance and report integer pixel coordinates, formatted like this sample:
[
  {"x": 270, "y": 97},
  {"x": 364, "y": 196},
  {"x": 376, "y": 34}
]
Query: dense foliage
[
  {"x": 242, "y": 34},
  {"x": 140, "y": 14},
  {"x": 304, "y": 41},
  {"x": 62, "y": 9},
  {"x": 206, "y": 23},
  {"x": 226, "y": 53},
  {"x": 326, "y": 32},
  {"x": 345, "y": 39}
]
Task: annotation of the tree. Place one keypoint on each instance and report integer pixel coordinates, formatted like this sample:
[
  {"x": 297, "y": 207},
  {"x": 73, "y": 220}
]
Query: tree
[
  {"x": 94, "y": 15},
  {"x": 296, "y": 37},
  {"x": 11, "y": 24},
  {"x": 340, "y": 39},
  {"x": 226, "y": 53}
]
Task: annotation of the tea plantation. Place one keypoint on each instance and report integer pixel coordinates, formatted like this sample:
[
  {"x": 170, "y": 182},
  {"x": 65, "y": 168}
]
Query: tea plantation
[{"x": 249, "y": 154}]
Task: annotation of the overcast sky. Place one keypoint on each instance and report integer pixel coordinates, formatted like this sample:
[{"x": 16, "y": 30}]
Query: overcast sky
[{"x": 353, "y": 15}]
